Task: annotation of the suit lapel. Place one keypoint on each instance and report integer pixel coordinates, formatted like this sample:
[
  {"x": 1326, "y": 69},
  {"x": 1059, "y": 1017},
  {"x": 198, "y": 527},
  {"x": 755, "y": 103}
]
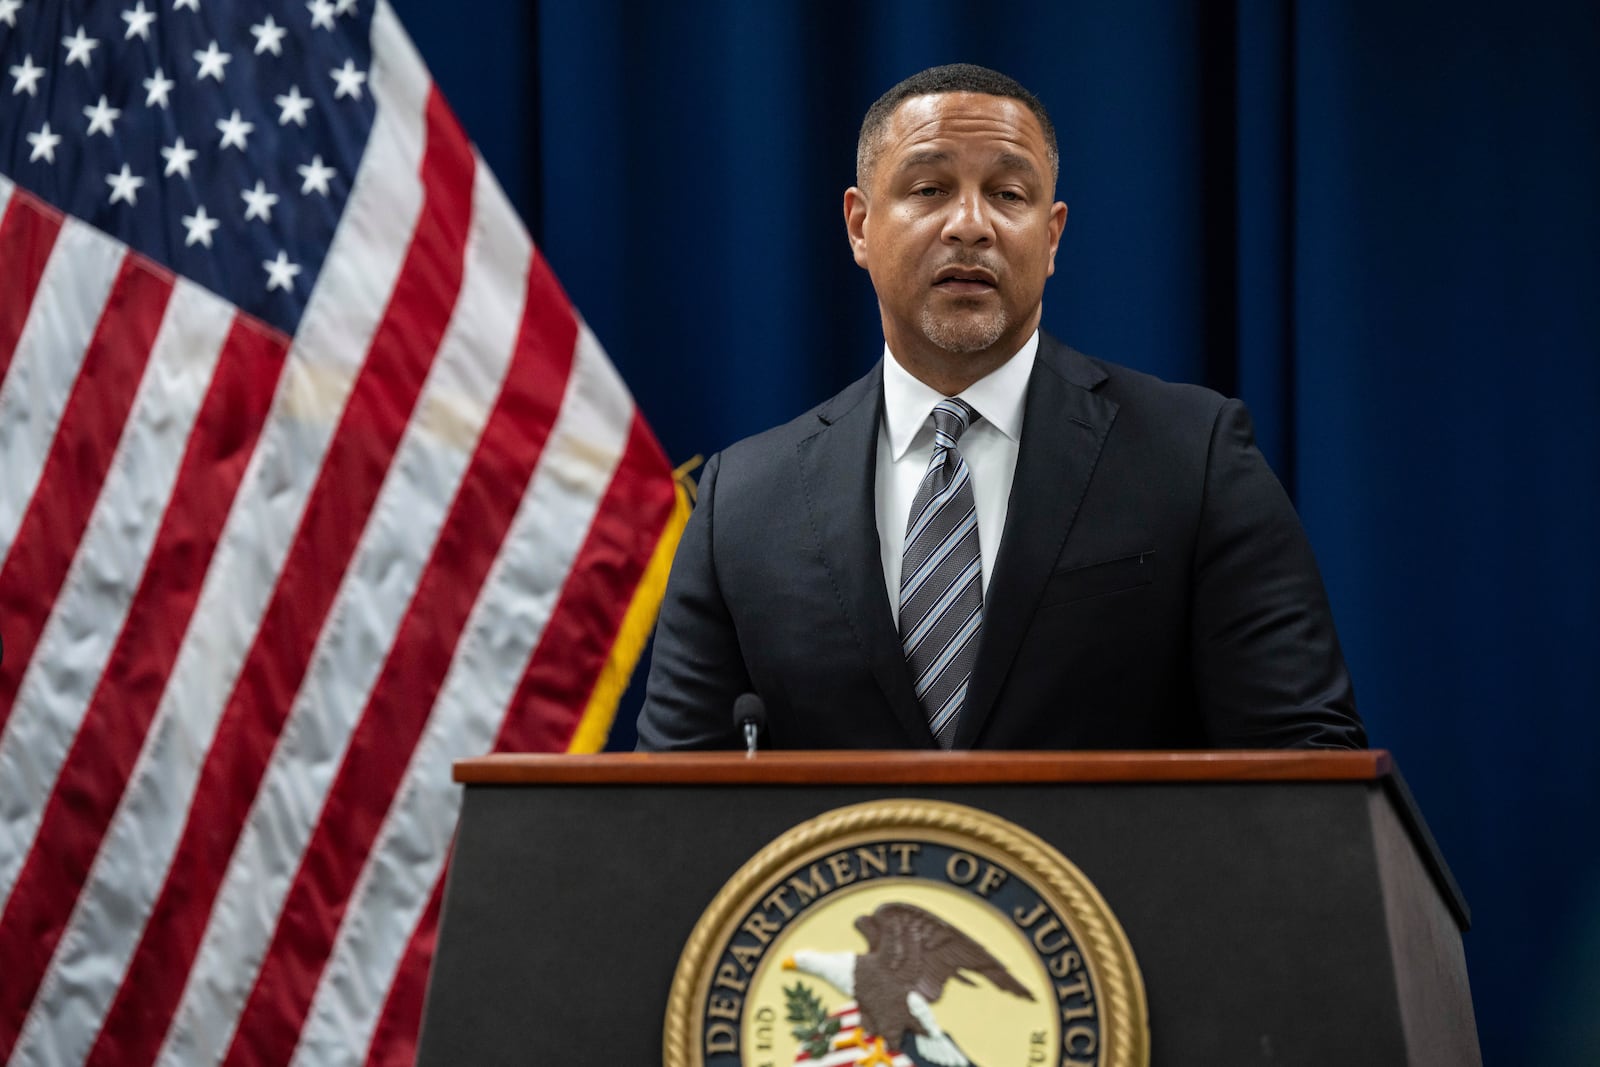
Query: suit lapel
[
  {"x": 837, "y": 472},
  {"x": 1064, "y": 428}
]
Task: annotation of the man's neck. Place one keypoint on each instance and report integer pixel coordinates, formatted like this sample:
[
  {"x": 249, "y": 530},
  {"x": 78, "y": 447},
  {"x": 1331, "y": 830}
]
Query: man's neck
[
  {"x": 951, "y": 376},
  {"x": 951, "y": 373}
]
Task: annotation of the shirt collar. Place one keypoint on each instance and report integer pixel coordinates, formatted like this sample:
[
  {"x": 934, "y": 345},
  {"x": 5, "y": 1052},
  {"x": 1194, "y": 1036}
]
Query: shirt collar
[{"x": 997, "y": 396}]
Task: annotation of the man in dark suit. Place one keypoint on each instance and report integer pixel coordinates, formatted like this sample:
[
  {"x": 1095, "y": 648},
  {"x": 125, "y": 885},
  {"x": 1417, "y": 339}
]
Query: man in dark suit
[{"x": 1083, "y": 556}]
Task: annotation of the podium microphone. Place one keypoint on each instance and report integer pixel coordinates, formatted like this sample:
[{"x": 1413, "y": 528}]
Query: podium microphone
[{"x": 750, "y": 715}]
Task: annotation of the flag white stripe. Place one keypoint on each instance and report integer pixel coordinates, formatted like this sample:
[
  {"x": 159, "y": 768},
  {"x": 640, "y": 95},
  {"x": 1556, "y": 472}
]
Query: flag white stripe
[
  {"x": 66, "y": 308},
  {"x": 376, "y": 590},
  {"x": 516, "y": 603},
  {"x": 6, "y": 185},
  {"x": 87, "y": 619},
  {"x": 351, "y": 295}
]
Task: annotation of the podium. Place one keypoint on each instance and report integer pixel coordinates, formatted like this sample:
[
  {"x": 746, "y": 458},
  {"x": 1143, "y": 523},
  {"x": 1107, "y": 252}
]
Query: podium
[{"x": 1282, "y": 907}]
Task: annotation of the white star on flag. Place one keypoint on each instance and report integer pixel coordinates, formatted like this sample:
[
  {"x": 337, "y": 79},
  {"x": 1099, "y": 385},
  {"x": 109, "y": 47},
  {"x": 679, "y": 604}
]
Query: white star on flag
[
  {"x": 192, "y": 5},
  {"x": 101, "y": 117},
  {"x": 44, "y": 144},
  {"x": 157, "y": 86},
  {"x": 280, "y": 272},
  {"x": 211, "y": 62},
  {"x": 27, "y": 76},
  {"x": 79, "y": 46},
  {"x": 8, "y": 12},
  {"x": 321, "y": 14},
  {"x": 349, "y": 80},
  {"x": 200, "y": 227},
  {"x": 124, "y": 186},
  {"x": 316, "y": 176},
  {"x": 269, "y": 36},
  {"x": 235, "y": 130},
  {"x": 345, "y": 7},
  {"x": 294, "y": 107},
  {"x": 258, "y": 203},
  {"x": 178, "y": 157},
  {"x": 139, "y": 21}
]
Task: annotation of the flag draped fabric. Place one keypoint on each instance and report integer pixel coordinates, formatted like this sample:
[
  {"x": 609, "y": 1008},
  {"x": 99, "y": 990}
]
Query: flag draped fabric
[{"x": 311, "y": 481}]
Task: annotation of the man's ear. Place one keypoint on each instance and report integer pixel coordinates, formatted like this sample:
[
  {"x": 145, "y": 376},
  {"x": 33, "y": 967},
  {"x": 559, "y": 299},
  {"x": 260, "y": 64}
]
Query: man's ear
[
  {"x": 855, "y": 223},
  {"x": 1058, "y": 222}
]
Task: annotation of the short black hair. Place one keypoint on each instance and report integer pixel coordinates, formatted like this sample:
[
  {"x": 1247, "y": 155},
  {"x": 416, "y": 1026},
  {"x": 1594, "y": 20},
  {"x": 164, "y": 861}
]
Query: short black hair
[{"x": 950, "y": 78}]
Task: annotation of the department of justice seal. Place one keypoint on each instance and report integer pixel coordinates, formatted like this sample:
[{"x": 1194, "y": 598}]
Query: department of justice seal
[{"x": 907, "y": 933}]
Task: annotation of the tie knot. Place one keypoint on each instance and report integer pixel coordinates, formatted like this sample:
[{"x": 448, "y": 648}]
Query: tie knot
[{"x": 951, "y": 417}]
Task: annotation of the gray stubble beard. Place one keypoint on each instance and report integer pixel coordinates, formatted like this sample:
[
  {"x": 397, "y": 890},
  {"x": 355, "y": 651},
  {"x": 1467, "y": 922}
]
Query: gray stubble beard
[{"x": 963, "y": 336}]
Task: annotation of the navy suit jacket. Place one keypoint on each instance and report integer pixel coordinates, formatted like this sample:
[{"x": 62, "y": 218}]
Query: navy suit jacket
[{"x": 1153, "y": 587}]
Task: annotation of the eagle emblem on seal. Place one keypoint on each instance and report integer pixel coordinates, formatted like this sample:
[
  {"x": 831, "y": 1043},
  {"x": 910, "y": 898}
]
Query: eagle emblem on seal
[{"x": 911, "y": 956}]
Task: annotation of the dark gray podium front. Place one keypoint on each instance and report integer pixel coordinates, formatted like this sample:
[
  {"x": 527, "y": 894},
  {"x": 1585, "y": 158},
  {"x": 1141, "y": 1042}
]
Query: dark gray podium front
[{"x": 1284, "y": 908}]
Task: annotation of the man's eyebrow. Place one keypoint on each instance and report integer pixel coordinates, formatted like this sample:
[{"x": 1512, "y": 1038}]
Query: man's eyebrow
[
  {"x": 932, "y": 156},
  {"x": 1013, "y": 161}
]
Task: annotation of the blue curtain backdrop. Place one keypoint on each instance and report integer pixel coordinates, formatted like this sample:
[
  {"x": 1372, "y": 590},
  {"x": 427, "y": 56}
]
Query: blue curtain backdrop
[{"x": 1375, "y": 221}]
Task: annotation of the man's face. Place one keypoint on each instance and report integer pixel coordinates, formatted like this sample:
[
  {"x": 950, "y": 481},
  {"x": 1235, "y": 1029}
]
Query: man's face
[{"x": 957, "y": 227}]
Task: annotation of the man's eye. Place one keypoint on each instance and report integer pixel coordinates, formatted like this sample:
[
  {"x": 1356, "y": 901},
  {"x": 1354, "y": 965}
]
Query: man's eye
[
  {"x": 1007, "y": 194},
  {"x": 926, "y": 191}
]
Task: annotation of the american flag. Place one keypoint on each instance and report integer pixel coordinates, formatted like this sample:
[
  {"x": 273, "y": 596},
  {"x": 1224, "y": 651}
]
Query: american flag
[
  {"x": 311, "y": 480},
  {"x": 851, "y": 1046}
]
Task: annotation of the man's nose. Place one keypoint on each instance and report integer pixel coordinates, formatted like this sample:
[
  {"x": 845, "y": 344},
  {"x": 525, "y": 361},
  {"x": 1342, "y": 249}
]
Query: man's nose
[{"x": 969, "y": 222}]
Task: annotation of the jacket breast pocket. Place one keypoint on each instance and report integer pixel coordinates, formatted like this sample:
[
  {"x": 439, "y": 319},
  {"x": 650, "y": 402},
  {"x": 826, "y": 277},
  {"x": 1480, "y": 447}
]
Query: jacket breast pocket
[{"x": 1100, "y": 579}]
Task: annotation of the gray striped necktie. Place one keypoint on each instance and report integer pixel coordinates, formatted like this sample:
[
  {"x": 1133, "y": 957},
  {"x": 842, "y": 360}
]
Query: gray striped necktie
[{"x": 941, "y": 577}]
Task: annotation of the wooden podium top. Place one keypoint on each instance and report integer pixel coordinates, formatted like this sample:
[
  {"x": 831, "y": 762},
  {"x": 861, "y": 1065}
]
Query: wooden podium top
[
  {"x": 918, "y": 768},
  {"x": 926, "y": 768}
]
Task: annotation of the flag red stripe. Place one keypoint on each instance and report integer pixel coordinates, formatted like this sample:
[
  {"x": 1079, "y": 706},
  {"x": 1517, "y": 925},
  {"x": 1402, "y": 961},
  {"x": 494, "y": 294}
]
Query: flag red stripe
[
  {"x": 397, "y": 708},
  {"x": 27, "y": 234},
  {"x": 85, "y": 441},
  {"x": 394, "y": 1040},
  {"x": 555, "y": 688},
  {"x": 370, "y": 429},
  {"x": 90, "y": 783}
]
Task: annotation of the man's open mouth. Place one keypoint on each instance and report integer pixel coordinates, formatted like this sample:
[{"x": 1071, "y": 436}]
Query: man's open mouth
[{"x": 957, "y": 278}]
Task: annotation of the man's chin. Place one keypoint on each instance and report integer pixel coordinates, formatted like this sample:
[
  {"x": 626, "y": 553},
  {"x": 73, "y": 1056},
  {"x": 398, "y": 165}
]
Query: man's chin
[{"x": 961, "y": 335}]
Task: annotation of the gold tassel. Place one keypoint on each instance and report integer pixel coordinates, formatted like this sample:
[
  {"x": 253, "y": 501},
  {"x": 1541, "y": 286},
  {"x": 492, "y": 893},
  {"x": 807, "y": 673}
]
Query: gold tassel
[
  {"x": 680, "y": 474},
  {"x": 595, "y": 726}
]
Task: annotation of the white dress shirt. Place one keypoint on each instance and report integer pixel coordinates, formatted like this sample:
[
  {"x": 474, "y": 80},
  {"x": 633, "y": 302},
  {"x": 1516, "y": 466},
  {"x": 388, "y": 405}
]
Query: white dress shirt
[{"x": 905, "y": 445}]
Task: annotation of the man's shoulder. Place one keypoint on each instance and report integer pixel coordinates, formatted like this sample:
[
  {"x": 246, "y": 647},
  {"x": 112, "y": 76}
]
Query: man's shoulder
[
  {"x": 860, "y": 399},
  {"x": 1123, "y": 384}
]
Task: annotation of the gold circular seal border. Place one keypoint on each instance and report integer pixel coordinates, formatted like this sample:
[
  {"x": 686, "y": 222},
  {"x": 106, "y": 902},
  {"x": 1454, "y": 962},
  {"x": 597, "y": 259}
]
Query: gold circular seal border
[{"x": 1110, "y": 958}]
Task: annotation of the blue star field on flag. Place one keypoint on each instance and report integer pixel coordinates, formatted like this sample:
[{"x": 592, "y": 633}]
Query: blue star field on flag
[{"x": 221, "y": 147}]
